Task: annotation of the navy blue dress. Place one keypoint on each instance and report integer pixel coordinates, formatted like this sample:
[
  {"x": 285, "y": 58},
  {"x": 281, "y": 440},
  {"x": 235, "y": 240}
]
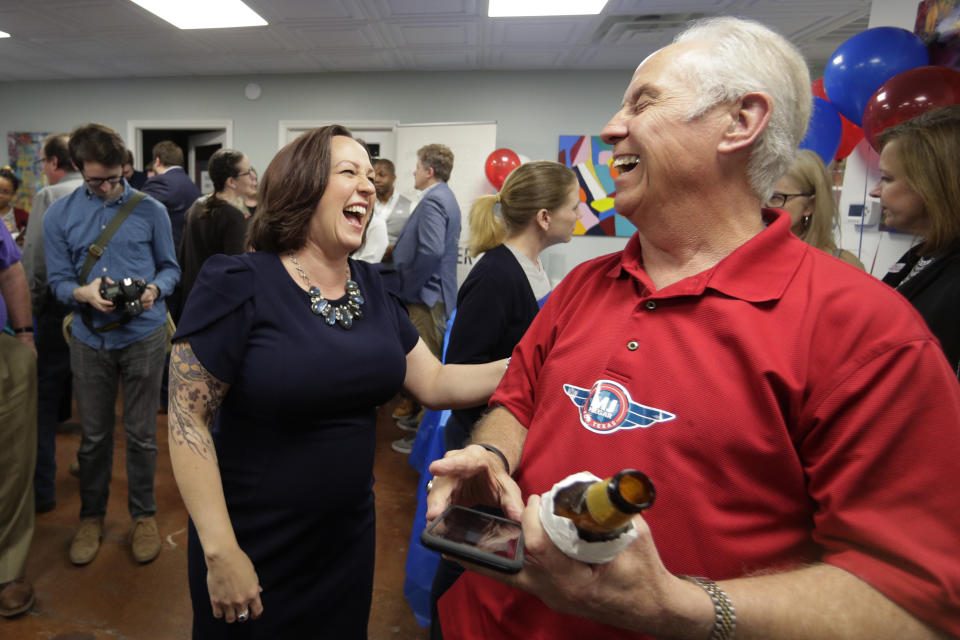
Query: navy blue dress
[{"x": 295, "y": 438}]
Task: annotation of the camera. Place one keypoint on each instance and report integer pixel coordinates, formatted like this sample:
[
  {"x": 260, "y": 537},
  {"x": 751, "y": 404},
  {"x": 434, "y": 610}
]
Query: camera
[{"x": 125, "y": 294}]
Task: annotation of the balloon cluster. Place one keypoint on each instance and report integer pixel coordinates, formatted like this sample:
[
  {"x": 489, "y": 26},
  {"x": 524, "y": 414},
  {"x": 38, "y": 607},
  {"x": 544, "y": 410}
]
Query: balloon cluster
[{"x": 874, "y": 80}]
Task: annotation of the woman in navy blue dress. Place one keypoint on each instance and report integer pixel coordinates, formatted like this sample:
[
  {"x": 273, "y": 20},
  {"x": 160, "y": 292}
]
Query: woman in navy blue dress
[{"x": 280, "y": 360}]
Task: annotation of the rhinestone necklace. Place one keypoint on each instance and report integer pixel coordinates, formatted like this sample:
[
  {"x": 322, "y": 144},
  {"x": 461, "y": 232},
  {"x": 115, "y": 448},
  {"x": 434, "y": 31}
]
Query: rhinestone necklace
[{"x": 342, "y": 314}]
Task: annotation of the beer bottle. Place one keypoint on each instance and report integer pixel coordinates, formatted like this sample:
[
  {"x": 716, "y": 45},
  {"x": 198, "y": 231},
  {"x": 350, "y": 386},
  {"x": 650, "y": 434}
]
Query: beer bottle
[{"x": 602, "y": 510}]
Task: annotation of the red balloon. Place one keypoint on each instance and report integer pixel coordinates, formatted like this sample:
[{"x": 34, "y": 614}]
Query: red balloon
[
  {"x": 850, "y": 137},
  {"x": 499, "y": 165},
  {"x": 907, "y": 95},
  {"x": 817, "y": 88}
]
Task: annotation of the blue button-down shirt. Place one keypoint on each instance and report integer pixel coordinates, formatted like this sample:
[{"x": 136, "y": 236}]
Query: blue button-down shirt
[{"x": 142, "y": 247}]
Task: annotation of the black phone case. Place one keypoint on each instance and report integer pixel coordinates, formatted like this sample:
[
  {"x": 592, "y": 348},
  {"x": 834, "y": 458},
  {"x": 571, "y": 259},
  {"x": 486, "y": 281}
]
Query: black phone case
[{"x": 472, "y": 554}]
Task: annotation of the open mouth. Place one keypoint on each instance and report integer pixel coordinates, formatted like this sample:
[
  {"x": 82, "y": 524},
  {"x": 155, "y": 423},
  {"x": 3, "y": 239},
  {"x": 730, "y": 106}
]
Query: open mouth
[
  {"x": 354, "y": 215},
  {"x": 625, "y": 164}
]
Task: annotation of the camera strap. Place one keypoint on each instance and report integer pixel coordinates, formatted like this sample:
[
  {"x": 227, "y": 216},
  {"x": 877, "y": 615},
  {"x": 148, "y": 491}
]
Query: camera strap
[{"x": 95, "y": 250}]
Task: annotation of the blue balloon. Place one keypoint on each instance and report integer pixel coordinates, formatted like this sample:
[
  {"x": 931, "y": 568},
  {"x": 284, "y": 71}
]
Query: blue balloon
[
  {"x": 864, "y": 62},
  {"x": 825, "y": 130}
]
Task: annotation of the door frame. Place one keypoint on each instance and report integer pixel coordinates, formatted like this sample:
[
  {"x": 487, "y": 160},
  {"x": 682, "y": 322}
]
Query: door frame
[{"x": 135, "y": 132}]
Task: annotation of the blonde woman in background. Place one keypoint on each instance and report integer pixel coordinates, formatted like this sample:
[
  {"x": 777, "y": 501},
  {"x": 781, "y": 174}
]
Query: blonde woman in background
[
  {"x": 537, "y": 207},
  {"x": 806, "y": 193}
]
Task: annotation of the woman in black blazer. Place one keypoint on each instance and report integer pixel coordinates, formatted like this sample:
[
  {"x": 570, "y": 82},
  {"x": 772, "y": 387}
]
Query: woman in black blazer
[{"x": 919, "y": 188}]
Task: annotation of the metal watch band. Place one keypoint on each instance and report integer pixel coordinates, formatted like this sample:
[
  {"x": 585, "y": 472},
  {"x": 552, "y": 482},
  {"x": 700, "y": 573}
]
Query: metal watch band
[{"x": 725, "y": 621}]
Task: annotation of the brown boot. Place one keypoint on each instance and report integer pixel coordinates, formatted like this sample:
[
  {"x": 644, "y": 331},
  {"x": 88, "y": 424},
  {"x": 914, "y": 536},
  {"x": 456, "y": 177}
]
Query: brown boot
[
  {"x": 145, "y": 539},
  {"x": 86, "y": 542},
  {"x": 16, "y": 597}
]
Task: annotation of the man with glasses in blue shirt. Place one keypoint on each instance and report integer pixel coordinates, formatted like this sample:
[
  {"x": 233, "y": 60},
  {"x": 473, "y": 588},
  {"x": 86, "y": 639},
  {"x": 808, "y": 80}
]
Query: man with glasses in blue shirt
[{"x": 108, "y": 345}]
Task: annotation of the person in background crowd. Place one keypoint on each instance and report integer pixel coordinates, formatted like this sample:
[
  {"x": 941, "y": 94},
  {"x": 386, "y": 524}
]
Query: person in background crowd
[
  {"x": 425, "y": 258},
  {"x": 919, "y": 190},
  {"x": 217, "y": 223},
  {"x": 797, "y": 418},
  {"x": 18, "y": 421},
  {"x": 14, "y": 218},
  {"x": 110, "y": 346},
  {"x": 390, "y": 212},
  {"x": 537, "y": 207},
  {"x": 806, "y": 192},
  {"x": 280, "y": 360},
  {"x": 55, "y": 391},
  {"x": 136, "y": 178}
]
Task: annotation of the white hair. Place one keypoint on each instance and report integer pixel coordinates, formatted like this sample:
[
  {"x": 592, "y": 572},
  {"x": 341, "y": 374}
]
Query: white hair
[{"x": 747, "y": 57}]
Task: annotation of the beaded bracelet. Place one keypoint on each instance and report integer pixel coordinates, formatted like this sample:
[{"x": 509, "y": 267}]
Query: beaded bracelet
[{"x": 725, "y": 622}]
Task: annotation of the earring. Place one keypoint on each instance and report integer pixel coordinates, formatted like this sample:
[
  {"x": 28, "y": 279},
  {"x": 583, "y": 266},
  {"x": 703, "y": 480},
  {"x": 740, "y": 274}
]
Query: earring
[{"x": 805, "y": 221}]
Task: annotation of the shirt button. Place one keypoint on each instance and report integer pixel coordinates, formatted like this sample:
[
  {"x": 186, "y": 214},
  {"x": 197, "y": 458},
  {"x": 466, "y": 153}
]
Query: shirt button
[
  {"x": 650, "y": 305},
  {"x": 633, "y": 345}
]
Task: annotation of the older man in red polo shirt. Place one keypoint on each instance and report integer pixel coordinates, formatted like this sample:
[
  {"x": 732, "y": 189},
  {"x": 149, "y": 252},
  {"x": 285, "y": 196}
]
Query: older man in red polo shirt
[{"x": 797, "y": 417}]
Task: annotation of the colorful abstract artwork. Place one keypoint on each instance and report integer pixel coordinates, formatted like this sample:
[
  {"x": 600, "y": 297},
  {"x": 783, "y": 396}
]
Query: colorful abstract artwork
[
  {"x": 590, "y": 158},
  {"x": 25, "y": 150}
]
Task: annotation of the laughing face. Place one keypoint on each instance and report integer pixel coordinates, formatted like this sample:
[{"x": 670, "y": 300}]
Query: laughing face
[
  {"x": 345, "y": 206},
  {"x": 659, "y": 151}
]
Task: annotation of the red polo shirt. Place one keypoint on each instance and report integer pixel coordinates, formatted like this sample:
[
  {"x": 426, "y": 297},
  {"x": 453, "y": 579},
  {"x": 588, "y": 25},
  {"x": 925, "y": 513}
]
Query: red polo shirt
[{"x": 788, "y": 407}]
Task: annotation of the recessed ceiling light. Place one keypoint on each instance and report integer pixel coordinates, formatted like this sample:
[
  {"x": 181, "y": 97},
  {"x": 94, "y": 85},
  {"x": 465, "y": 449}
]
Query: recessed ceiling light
[
  {"x": 208, "y": 14},
  {"x": 4, "y": 34},
  {"x": 521, "y": 8}
]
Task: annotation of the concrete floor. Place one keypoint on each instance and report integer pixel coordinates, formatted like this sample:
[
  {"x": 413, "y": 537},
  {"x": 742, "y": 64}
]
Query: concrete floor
[{"x": 115, "y": 598}]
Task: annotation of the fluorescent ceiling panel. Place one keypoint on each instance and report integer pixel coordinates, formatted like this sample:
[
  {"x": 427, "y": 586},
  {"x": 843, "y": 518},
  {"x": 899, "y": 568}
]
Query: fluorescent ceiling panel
[
  {"x": 4, "y": 34},
  {"x": 207, "y": 14},
  {"x": 524, "y": 8}
]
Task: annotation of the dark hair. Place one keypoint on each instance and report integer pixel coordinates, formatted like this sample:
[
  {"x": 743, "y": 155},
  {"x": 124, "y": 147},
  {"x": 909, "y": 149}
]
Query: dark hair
[
  {"x": 128, "y": 158},
  {"x": 438, "y": 157},
  {"x": 393, "y": 169},
  {"x": 94, "y": 142},
  {"x": 931, "y": 168},
  {"x": 169, "y": 153},
  {"x": 7, "y": 172},
  {"x": 290, "y": 189},
  {"x": 222, "y": 166},
  {"x": 58, "y": 146}
]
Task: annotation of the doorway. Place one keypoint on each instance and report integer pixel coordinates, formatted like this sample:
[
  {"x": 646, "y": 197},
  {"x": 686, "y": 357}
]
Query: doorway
[{"x": 198, "y": 139}]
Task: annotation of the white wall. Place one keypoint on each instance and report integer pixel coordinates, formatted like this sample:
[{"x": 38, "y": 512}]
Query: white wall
[
  {"x": 531, "y": 110},
  {"x": 877, "y": 249}
]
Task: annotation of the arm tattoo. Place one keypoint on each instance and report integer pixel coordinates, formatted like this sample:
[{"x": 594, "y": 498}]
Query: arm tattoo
[{"x": 195, "y": 395}]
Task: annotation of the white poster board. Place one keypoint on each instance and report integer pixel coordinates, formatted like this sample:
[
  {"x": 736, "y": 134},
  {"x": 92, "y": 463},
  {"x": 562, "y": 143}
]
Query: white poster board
[{"x": 471, "y": 143}]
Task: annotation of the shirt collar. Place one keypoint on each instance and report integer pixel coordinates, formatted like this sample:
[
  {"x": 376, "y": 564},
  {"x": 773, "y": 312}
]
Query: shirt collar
[{"x": 757, "y": 271}]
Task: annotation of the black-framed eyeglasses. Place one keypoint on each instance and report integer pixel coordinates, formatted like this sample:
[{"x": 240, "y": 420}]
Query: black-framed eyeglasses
[
  {"x": 40, "y": 162},
  {"x": 98, "y": 182},
  {"x": 777, "y": 200},
  {"x": 249, "y": 172}
]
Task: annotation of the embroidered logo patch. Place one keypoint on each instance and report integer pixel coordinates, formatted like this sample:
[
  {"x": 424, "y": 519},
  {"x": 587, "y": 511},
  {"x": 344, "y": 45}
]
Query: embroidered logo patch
[{"x": 608, "y": 407}]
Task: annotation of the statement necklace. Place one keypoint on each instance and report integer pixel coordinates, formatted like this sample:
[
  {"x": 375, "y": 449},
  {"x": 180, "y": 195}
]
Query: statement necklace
[{"x": 342, "y": 314}]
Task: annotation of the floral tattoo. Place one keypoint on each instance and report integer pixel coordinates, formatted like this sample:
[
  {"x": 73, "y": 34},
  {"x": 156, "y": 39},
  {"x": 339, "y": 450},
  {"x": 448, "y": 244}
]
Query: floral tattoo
[{"x": 195, "y": 396}]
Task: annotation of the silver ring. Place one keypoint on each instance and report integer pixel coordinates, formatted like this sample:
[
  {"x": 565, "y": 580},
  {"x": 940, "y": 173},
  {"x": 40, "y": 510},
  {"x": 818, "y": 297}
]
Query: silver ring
[
  {"x": 430, "y": 485},
  {"x": 243, "y": 615}
]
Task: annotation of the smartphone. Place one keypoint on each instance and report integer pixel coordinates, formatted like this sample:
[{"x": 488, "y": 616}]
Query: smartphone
[{"x": 478, "y": 537}]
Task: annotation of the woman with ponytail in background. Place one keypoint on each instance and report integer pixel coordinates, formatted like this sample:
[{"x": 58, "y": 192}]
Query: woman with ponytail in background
[
  {"x": 217, "y": 223},
  {"x": 537, "y": 207}
]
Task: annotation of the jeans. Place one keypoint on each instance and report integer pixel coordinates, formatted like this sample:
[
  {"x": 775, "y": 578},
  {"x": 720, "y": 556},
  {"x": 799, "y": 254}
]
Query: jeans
[
  {"x": 96, "y": 375},
  {"x": 53, "y": 373}
]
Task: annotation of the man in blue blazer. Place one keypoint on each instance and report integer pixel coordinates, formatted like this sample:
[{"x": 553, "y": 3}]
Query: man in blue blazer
[
  {"x": 426, "y": 253},
  {"x": 425, "y": 258},
  {"x": 171, "y": 185}
]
